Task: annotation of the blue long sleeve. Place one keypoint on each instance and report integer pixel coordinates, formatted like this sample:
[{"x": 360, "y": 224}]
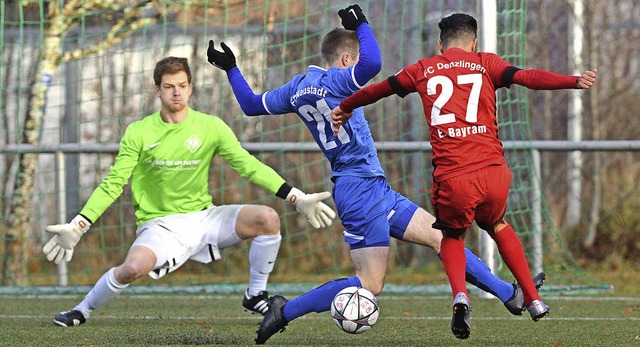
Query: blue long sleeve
[
  {"x": 250, "y": 103},
  {"x": 370, "y": 60}
]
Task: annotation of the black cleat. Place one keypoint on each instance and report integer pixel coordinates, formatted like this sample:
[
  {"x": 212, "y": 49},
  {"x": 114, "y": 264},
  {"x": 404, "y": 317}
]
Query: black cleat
[
  {"x": 256, "y": 304},
  {"x": 538, "y": 280},
  {"x": 461, "y": 320},
  {"x": 69, "y": 318},
  {"x": 515, "y": 305},
  {"x": 273, "y": 320}
]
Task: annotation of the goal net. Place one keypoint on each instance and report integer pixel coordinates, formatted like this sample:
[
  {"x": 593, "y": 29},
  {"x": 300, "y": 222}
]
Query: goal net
[{"x": 75, "y": 74}]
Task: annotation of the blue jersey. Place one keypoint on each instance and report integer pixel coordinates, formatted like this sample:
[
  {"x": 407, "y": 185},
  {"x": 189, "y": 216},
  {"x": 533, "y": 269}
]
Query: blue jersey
[
  {"x": 370, "y": 210},
  {"x": 312, "y": 96}
]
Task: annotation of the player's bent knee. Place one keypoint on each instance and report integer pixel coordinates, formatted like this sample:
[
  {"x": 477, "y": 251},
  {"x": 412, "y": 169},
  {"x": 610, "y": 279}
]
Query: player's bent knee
[
  {"x": 129, "y": 272},
  {"x": 268, "y": 221}
]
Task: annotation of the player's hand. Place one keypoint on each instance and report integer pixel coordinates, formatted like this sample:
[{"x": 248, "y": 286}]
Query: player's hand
[
  {"x": 224, "y": 60},
  {"x": 61, "y": 245},
  {"x": 587, "y": 79},
  {"x": 311, "y": 206},
  {"x": 338, "y": 117},
  {"x": 352, "y": 17}
]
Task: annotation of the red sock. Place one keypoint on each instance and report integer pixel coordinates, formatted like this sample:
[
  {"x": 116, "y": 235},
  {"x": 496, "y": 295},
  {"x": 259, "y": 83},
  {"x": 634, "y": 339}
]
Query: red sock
[
  {"x": 512, "y": 253},
  {"x": 455, "y": 261}
]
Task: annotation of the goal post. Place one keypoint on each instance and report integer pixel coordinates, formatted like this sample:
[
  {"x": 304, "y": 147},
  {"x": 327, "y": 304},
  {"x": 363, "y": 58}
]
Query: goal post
[{"x": 488, "y": 42}]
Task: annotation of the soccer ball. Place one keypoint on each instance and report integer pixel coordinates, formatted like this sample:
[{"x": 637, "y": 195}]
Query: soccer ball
[{"x": 355, "y": 310}]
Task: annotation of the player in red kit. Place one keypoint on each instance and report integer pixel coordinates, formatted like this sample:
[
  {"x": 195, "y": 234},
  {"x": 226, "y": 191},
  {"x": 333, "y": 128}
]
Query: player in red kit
[{"x": 471, "y": 178}]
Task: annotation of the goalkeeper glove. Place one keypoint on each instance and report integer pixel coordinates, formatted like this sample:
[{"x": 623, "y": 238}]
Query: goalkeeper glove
[
  {"x": 224, "y": 60},
  {"x": 61, "y": 245},
  {"x": 312, "y": 207},
  {"x": 352, "y": 17}
]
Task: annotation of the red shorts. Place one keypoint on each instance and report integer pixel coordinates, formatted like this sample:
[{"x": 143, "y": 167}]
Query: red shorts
[{"x": 480, "y": 195}]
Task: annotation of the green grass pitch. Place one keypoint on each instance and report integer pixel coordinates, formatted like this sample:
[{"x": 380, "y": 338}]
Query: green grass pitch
[{"x": 405, "y": 320}]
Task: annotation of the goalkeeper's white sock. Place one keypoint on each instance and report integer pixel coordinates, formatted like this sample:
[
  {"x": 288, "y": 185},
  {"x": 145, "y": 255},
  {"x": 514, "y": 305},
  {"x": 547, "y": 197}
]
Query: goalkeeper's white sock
[
  {"x": 262, "y": 257},
  {"x": 105, "y": 289}
]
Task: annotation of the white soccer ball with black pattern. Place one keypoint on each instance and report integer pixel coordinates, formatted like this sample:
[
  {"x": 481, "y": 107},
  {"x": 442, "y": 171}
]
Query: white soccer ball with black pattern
[{"x": 355, "y": 310}]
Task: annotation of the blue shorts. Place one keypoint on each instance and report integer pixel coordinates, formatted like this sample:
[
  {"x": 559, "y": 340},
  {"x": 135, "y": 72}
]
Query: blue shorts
[{"x": 371, "y": 211}]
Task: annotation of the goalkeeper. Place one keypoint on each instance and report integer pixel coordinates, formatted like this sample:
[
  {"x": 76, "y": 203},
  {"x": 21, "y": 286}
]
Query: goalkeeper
[
  {"x": 167, "y": 155},
  {"x": 370, "y": 210}
]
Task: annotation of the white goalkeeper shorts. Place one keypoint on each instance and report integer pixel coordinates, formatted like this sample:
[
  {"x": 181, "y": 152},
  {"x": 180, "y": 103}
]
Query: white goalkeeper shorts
[{"x": 198, "y": 236}]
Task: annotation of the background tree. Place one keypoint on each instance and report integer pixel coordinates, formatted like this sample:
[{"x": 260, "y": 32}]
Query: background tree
[{"x": 61, "y": 19}]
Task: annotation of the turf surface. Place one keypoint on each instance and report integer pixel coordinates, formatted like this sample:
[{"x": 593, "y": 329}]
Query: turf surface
[{"x": 411, "y": 320}]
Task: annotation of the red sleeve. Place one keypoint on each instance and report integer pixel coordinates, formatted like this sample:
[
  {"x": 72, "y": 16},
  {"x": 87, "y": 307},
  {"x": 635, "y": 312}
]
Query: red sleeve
[
  {"x": 544, "y": 80},
  {"x": 500, "y": 71},
  {"x": 366, "y": 96},
  {"x": 401, "y": 84},
  {"x": 404, "y": 82}
]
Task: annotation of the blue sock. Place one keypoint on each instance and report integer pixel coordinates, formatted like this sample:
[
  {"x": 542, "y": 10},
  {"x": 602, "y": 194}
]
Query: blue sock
[
  {"x": 318, "y": 299},
  {"x": 479, "y": 274}
]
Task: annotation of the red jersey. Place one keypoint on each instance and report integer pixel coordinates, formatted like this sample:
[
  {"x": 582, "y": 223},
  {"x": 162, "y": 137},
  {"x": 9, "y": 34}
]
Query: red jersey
[{"x": 458, "y": 91}]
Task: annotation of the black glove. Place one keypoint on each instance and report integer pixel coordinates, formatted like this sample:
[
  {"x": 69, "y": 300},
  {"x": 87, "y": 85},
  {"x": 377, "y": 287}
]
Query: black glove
[
  {"x": 352, "y": 17},
  {"x": 224, "y": 60}
]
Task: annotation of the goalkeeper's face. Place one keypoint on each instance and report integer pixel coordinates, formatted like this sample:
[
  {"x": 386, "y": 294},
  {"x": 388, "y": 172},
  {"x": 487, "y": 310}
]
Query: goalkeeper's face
[{"x": 174, "y": 92}]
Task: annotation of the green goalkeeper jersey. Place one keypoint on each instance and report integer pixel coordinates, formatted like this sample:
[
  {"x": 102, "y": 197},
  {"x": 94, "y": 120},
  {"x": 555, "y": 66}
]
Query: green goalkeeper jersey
[{"x": 169, "y": 166}]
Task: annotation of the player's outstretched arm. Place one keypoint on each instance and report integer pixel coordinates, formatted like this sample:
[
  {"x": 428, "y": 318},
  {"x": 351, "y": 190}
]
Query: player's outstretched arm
[
  {"x": 248, "y": 166},
  {"x": 363, "y": 97},
  {"x": 547, "y": 80},
  {"x": 65, "y": 238},
  {"x": 250, "y": 103}
]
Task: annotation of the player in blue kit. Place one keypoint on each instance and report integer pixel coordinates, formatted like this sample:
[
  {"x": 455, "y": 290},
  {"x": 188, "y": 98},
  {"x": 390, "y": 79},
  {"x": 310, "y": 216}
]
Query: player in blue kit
[{"x": 370, "y": 210}]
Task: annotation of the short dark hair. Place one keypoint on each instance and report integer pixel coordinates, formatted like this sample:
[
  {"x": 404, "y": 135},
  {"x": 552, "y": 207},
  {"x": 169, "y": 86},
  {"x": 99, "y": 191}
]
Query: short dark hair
[
  {"x": 337, "y": 41},
  {"x": 169, "y": 66},
  {"x": 457, "y": 26}
]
